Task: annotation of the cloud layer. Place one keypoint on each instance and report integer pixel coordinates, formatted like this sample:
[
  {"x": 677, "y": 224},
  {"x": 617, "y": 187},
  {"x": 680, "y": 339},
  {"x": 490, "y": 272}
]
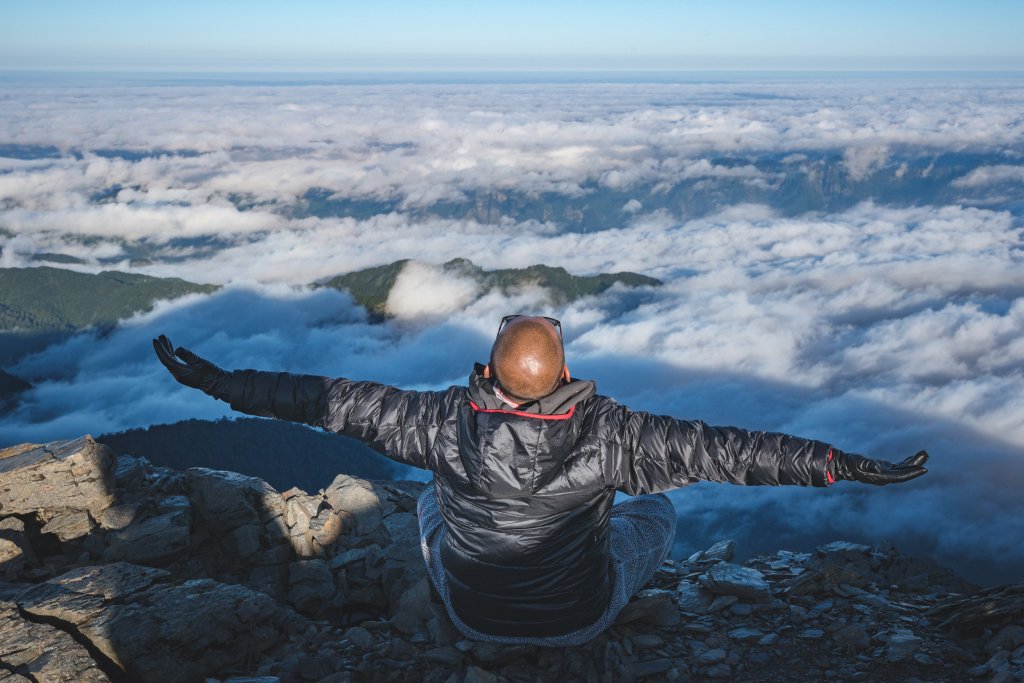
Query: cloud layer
[{"x": 881, "y": 326}]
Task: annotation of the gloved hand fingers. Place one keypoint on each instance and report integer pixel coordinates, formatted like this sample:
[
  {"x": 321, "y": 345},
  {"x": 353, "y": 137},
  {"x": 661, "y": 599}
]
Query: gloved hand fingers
[
  {"x": 162, "y": 346},
  {"x": 188, "y": 356},
  {"x": 916, "y": 460},
  {"x": 897, "y": 476}
]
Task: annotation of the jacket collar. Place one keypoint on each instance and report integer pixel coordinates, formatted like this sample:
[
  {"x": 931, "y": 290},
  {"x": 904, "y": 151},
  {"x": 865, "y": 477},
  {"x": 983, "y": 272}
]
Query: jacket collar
[{"x": 558, "y": 402}]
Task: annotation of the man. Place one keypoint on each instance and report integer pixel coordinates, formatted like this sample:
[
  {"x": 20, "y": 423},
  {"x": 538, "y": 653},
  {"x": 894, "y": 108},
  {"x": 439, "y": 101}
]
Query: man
[{"x": 519, "y": 531}]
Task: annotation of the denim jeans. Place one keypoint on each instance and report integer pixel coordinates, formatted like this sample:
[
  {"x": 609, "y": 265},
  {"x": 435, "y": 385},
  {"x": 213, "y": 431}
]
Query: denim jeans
[{"x": 641, "y": 535}]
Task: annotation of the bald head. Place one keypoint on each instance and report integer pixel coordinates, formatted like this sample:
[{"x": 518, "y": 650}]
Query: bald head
[{"x": 527, "y": 358}]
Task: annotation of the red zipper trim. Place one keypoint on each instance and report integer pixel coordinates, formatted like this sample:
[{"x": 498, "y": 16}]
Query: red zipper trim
[
  {"x": 536, "y": 416},
  {"x": 828, "y": 475}
]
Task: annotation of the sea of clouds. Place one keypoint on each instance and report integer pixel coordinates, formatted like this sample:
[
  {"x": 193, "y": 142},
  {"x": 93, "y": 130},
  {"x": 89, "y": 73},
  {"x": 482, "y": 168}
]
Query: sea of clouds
[{"x": 882, "y": 328}]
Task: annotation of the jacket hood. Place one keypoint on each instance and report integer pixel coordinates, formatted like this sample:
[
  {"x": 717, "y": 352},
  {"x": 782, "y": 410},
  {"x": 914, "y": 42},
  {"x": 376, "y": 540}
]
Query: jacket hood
[
  {"x": 558, "y": 402},
  {"x": 509, "y": 452}
]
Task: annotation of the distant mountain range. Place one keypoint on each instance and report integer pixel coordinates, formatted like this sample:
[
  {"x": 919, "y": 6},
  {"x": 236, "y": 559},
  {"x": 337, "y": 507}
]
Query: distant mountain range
[
  {"x": 370, "y": 287},
  {"x": 43, "y": 304}
]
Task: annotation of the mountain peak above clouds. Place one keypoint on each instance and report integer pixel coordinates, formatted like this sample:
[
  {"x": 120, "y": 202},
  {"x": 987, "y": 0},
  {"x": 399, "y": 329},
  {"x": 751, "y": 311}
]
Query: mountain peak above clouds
[{"x": 113, "y": 569}]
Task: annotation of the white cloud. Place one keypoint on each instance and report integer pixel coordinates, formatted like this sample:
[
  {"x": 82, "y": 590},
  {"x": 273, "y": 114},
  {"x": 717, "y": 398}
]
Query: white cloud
[
  {"x": 881, "y": 328},
  {"x": 990, "y": 175}
]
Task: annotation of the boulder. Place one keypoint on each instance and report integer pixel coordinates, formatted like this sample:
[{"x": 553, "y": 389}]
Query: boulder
[
  {"x": 726, "y": 578},
  {"x": 152, "y": 629},
  {"x": 33, "y": 651},
  {"x": 60, "y": 476}
]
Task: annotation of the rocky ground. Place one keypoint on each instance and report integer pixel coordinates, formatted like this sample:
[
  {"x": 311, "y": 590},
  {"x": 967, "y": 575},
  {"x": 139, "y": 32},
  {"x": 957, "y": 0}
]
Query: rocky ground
[{"x": 114, "y": 570}]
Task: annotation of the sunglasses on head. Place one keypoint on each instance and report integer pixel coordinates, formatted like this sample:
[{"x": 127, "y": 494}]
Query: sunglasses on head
[{"x": 509, "y": 318}]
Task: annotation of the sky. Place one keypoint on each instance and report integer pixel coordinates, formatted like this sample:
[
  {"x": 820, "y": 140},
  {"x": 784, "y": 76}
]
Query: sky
[
  {"x": 882, "y": 327},
  {"x": 259, "y": 35}
]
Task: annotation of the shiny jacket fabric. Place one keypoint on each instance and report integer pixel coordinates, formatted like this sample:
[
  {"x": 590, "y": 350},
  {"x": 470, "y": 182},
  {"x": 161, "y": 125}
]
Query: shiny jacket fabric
[{"x": 526, "y": 493}]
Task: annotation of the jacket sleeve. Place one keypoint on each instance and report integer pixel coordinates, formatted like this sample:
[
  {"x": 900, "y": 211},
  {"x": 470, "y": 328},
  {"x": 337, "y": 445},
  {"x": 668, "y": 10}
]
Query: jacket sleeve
[
  {"x": 651, "y": 453},
  {"x": 400, "y": 424}
]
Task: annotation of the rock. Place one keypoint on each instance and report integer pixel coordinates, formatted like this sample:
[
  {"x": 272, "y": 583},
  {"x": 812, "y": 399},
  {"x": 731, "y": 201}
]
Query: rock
[
  {"x": 726, "y": 578},
  {"x": 692, "y": 598},
  {"x": 712, "y": 656},
  {"x": 721, "y": 602},
  {"x": 1008, "y": 638},
  {"x": 475, "y": 674},
  {"x": 723, "y": 551},
  {"x": 650, "y": 667},
  {"x": 413, "y": 607},
  {"x": 745, "y": 634},
  {"x": 310, "y": 586},
  {"x": 853, "y": 637},
  {"x": 653, "y": 605},
  {"x": 62, "y": 476},
  {"x": 118, "y": 517},
  {"x": 811, "y": 634},
  {"x": 142, "y": 623},
  {"x": 67, "y": 526},
  {"x": 357, "y": 501},
  {"x": 33, "y": 651},
  {"x": 901, "y": 645},
  {"x": 150, "y": 540},
  {"x": 647, "y": 640},
  {"x": 719, "y": 671},
  {"x": 360, "y": 637}
]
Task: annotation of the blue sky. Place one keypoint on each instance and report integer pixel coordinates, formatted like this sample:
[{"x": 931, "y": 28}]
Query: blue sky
[{"x": 339, "y": 35}]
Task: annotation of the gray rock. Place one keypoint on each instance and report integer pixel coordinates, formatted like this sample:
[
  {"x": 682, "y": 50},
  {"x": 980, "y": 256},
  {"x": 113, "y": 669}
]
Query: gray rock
[
  {"x": 650, "y": 667},
  {"x": 647, "y": 640},
  {"x": 41, "y": 652},
  {"x": 712, "y": 656},
  {"x": 723, "y": 551},
  {"x": 902, "y": 644},
  {"x": 150, "y": 540},
  {"x": 740, "y": 609},
  {"x": 359, "y": 636},
  {"x": 811, "y": 634},
  {"x": 853, "y": 637},
  {"x": 310, "y": 586},
  {"x": 358, "y": 503},
  {"x": 413, "y": 608},
  {"x": 726, "y": 578},
  {"x": 227, "y": 500},
  {"x": 745, "y": 634},
  {"x": 142, "y": 623},
  {"x": 69, "y": 525},
  {"x": 722, "y": 602},
  {"x": 10, "y": 552},
  {"x": 475, "y": 674},
  {"x": 76, "y": 475},
  {"x": 118, "y": 517},
  {"x": 692, "y": 598},
  {"x": 719, "y": 671},
  {"x": 652, "y": 605},
  {"x": 768, "y": 639}
]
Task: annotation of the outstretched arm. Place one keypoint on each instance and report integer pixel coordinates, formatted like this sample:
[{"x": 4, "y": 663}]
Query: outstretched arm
[
  {"x": 399, "y": 424},
  {"x": 655, "y": 453}
]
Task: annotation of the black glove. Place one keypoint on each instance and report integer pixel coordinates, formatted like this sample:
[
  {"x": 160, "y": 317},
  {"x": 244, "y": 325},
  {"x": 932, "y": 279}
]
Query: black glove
[
  {"x": 194, "y": 372},
  {"x": 879, "y": 472}
]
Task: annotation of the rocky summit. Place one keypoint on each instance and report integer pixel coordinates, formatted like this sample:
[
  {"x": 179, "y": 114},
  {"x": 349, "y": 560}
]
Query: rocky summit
[{"x": 112, "y": 569}]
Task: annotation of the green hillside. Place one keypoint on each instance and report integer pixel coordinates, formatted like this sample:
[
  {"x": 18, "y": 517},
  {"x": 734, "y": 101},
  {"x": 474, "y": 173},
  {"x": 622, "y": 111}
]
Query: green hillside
[
  {"x": 46, "y": 298},
  {"x": 370, "y": 287}
]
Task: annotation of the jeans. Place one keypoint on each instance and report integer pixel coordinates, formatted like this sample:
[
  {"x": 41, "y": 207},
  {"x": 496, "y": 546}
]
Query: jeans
[{"x": 641, "y": 535}]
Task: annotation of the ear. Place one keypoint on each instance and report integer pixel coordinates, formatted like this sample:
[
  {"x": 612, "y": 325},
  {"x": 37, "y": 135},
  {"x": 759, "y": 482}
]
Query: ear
[
  {"x": 565, "y": 373},
  {"x": 487, "y": 371}
]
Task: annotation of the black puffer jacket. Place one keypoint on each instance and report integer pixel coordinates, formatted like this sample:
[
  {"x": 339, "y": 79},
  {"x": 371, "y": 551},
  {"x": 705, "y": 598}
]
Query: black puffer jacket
[{"x": 526, "y": 494}]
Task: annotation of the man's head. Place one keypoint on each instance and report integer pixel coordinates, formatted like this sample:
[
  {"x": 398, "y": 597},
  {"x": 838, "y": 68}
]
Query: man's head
[{"x": 527, "y": 359}]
